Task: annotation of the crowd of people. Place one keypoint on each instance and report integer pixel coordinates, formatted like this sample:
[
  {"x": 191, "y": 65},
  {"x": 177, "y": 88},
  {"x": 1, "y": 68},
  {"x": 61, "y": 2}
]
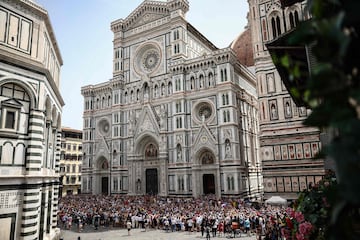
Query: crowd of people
[{"x": 209, "y": 216}]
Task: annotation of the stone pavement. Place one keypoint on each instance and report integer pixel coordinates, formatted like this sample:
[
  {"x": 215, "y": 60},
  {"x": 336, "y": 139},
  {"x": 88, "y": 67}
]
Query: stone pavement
[{"x": 139, "y": 234}]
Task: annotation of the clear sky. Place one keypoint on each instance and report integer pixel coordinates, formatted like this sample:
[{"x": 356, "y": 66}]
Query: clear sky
[{"x": 82, "y": 30}]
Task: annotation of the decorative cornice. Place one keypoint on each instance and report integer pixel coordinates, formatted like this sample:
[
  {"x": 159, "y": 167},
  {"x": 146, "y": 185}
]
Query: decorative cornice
[{"x": 147, "y": 6}]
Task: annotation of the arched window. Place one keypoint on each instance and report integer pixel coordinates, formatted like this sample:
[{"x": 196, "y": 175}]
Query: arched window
[
  {"x": 103, "y": 102},
  {"x": 278, "y": 25},
  {"x": 292, "y": 20},
  {"x": 15, "y": 105},
  {"x": 296, "y": 15},
  {"x": 273, "y": 27},
  {"x": 192, "y": 83},
  {"x": 210, "y": 79}
]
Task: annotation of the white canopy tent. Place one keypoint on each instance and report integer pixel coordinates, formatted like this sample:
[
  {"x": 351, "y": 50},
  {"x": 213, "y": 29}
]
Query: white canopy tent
[{"x": 276, "y": 200}]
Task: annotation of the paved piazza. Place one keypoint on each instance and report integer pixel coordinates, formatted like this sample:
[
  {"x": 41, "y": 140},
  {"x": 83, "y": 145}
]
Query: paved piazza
[{"x": 138, "y": 234}]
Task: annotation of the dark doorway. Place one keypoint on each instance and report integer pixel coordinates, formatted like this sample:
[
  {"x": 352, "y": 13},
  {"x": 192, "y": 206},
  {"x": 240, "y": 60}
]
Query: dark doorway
[
  {"x": 105, "y": 185},
  {"x": 151, "y": 181},
  {"x": 209, "y": 183}
]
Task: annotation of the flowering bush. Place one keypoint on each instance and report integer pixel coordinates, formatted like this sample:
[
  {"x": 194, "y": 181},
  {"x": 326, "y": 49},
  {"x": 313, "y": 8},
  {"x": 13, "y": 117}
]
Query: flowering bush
[{"x": 295, "y": 227}]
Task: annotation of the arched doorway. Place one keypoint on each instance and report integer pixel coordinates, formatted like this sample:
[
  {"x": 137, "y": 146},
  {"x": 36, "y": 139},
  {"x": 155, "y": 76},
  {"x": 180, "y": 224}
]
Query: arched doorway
[
  {"x": 209, "y": 183},
  {"x": 151, "y": 181},
  {"x": 151, "y": 174},
  {"x": 207, "y": 160},
  {"x": 103, "y": 167}
]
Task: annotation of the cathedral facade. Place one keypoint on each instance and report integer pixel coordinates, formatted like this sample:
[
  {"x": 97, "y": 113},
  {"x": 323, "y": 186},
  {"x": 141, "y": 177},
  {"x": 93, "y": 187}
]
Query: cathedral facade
[
  {"x": 287, "y": 146},
  {"x": 30, "y": 122},
  {"x": 178, "y": 118}
]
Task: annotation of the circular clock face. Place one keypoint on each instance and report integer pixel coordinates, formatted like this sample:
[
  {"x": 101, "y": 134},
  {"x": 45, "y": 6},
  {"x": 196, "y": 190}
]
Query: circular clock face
[{"x": 150, "y": 60}]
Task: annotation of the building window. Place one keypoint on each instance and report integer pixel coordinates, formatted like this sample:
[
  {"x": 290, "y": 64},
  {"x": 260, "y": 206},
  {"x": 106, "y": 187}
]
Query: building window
[
  {"x": 179, "y": 122},
  {"x": 176, "y": 48},
  {"x": 176, "y": 34},
  {"x": 231, "y": 183},
  {"x": 177, "y": 84},
  {"x": 226, "y": 116},
  {"x": 223, "y": 75},
  {"x": 210, "y": 79},
  {"x": 276, "y": 26},
  {"x": 192, "y": 83},
  {"x": 225, "y": 99},
  {"x": 178, "y": 107},
  {"x": 13, "y": 108},
  {"x": 116, "y": 131},
  {"x": 10, "y": 119}
]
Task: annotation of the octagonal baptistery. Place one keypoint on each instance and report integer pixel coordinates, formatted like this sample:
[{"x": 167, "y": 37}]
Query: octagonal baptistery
[
  {"x": 182, "y": 113},
  {"x": 30, "y": 122}
]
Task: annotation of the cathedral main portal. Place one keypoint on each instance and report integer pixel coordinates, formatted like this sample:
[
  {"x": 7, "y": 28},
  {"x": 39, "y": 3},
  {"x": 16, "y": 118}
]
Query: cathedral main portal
[
  {"x": 105, "y": 185},
  {"x": 151, "y": 181},
  {"x": 209, "y": 183}
]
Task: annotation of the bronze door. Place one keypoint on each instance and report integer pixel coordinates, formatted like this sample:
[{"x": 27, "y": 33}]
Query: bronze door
[
  {"x": 209, "y": 183},
  {"x": 151, "y": 181},
  {"x": 105, "y": 185}
]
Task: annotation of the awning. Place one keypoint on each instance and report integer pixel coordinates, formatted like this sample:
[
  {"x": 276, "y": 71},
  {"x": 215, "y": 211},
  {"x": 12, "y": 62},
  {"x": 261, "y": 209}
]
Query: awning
[
  {"x": 276, "y": 200},
  {"x": 298, "y": 55}
]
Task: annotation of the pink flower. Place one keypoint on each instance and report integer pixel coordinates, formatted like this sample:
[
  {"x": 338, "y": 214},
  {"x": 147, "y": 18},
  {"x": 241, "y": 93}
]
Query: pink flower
[
  {"x": 285, "y": 233},
  {"x": 299, "y": 236},
  {"x": 305, "y": 228},
  {"x": 290, "y": 212},
  {"x": 289, "y": 223},
  {"x": 299, "y": 217}
]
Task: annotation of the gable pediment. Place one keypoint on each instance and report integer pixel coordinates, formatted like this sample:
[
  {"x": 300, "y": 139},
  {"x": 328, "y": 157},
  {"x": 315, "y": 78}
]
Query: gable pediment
[
  {"x": 204, "y": 138},
  {"x": 146, "y": 18},
  {"x": 147, "y": 122},
  {"x": 147, "y": 12},
  {"x": 12, "y": 103}
]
